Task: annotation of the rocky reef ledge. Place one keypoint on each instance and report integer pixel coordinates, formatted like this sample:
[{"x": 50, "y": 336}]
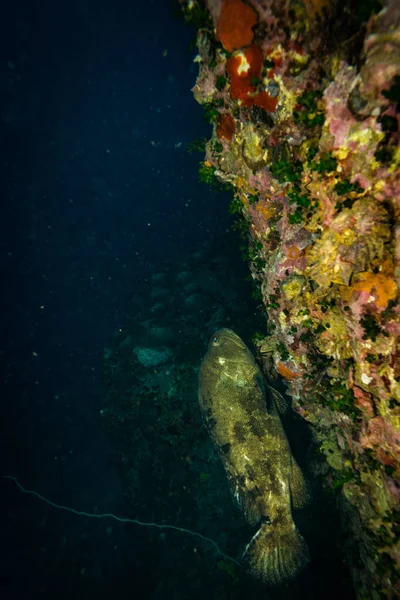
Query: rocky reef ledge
[{"x": 304, "y": 101}]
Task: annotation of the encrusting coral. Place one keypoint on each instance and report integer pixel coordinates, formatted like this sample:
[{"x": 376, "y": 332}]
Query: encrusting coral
[{"x": 304, "y": 99}]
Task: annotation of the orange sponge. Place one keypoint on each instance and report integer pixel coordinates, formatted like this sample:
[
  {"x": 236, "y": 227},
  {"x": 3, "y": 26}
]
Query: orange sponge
[
  {"x": 235, "y": 23},
  {"x": 286, "y": 372},
  {"x": 380, "y": 286}
]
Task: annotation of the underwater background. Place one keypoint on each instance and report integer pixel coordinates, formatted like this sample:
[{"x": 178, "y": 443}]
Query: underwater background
[{"x": 118, "y": 265}]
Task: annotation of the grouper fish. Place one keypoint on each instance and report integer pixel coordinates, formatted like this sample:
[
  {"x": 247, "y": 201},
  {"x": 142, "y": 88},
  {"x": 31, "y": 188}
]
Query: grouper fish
[{"x": 240, "y": 413}]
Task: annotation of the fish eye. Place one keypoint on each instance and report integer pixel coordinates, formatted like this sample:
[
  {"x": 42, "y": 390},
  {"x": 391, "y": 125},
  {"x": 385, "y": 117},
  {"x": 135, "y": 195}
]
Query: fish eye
[
  {"x": 215, "y": 341},
  {"x": 266, "y": 520}
]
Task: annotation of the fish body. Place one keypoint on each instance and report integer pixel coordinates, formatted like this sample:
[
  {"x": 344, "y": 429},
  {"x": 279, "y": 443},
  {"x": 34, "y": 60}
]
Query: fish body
[{"x": 241, "y": 416}]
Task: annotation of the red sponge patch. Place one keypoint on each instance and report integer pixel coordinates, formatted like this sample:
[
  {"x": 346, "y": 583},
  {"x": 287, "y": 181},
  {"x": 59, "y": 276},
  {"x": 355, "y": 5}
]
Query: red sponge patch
[
  {"x": 235, "y": 23},
  {"x": 244, "y": 70}
]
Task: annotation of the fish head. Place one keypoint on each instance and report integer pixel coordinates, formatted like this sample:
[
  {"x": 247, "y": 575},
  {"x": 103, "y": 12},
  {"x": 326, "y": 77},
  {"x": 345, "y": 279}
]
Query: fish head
[{"x": 229, "y": 356}]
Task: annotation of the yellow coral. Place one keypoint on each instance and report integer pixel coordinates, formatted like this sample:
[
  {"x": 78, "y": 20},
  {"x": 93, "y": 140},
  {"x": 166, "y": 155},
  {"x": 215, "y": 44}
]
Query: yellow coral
[
  {"x": 254, "y": 154},
  {"x": 335, "y": 340},
  {"x": 293, "y": 286}
]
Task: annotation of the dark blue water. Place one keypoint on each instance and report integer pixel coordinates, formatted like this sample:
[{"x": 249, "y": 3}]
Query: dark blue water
[
  {"x": 98, "y": 191},
  {"x": 99, "y": 194}
]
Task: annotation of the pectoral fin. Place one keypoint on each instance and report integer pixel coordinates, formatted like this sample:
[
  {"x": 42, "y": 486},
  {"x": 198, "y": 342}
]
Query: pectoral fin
[
  {"x": 248, "y": 502},
  {"x": 281, "y": 403},
  {"x": 298, "y": 487}
]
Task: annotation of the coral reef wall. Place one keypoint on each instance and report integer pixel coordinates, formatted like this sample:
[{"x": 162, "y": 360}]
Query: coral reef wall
[{"x": 304, "y": 100}]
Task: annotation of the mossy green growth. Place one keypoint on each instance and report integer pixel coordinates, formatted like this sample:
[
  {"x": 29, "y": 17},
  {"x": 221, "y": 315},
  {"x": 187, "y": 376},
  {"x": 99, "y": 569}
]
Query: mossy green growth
[
  {"x": 343, "y": 400},
  {"x": 389, "y": 312},
  {"x": 371, "y": 358},
  {"x": 371, "y": 328},
  {"x": 337, "y": 397},
  {"x": 344, "y": 476},
  {"x": 252, "y": 254},
  {"x": 268, "y": 64},
  {"x": 256, "y": 292},
  {"x": 309, "y": 114},
  {"x": 258, "y": 337},
  {"x": 211, "y": 112},
  {"x": 259, "y": 264},
  {"x": 220, "y": 82},
  {"x": 255, "y": 81},
  {"x": 206, "y": 173},
  {"x": 283, "y": 351},
  {"x": 326, "y": 304},
  {"x": 197, "y": 15},
  {"x": 312, "y": 152},
  {"x": 393, "y": 517},
  {"x": 388, "y": 124},
  {"x": 344, "y": 187},
  {"x": 385, "y": 154},
  {"x": 255, "y": 249},
  {"x": 287, "y": 170},
  {"x": 321, "y": 327},
  {"x": 242, "y": 226},
  {"x": 235, "y": 206},
  {"x": 330, "y": 449},
  {"x": 308, "y": 99},
  {"x": 295, "y": 218},
  {"x": 273, "y": 301},
  {"x": 369, "y": 459},
  {"x": 296, "y": 196},
  {"x": 197, "y": 145},
  {"x": 326, "y": 163},
  {"x": 348, "y": 203}
]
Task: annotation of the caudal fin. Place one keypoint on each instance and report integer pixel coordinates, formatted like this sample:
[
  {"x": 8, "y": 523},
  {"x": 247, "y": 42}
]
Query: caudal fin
[{"x": 276, "y": 556}]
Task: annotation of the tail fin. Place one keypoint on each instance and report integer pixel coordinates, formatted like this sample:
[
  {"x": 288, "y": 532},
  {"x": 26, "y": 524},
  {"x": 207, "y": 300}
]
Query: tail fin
[{"x": 276, "y": 556}]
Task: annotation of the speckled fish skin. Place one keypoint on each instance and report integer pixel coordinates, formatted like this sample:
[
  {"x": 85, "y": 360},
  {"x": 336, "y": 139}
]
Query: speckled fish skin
[{"x": 240, "y": 414}]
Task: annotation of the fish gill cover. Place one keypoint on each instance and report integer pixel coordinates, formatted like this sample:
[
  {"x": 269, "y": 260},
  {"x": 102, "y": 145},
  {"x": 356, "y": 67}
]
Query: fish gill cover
[{"x": 304, "y": 100}]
